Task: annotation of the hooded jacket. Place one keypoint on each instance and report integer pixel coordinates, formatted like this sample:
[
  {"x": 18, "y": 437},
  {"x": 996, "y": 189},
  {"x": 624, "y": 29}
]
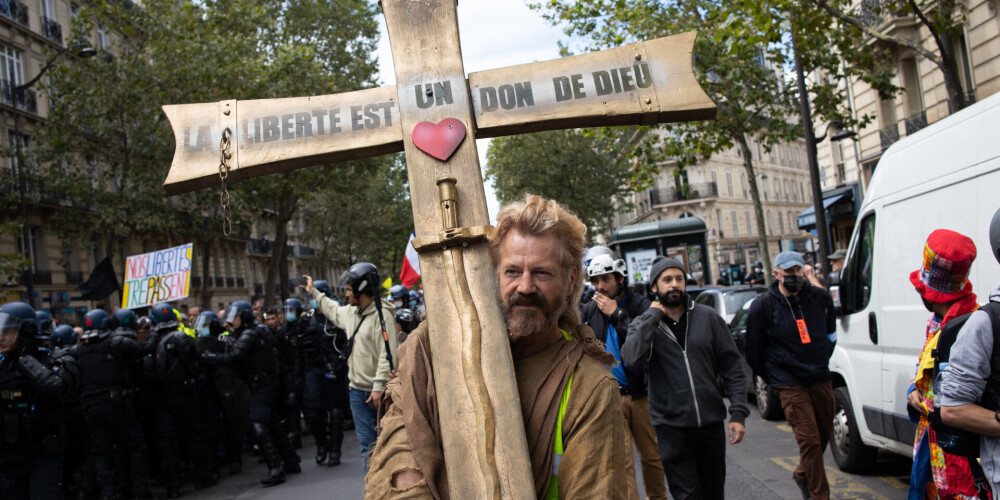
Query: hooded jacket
[
  {"x": 683, "y": 383},
  {"x": 367, "y": 368}
]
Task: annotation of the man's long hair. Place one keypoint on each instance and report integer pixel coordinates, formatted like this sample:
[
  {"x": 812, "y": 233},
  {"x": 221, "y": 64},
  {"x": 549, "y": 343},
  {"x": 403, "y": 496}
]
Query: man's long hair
[{"x": 537, "y": 216}]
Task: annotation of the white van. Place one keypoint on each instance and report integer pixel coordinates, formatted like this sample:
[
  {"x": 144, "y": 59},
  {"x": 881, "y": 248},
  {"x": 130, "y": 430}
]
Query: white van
[{"x": 944, "y": 176}]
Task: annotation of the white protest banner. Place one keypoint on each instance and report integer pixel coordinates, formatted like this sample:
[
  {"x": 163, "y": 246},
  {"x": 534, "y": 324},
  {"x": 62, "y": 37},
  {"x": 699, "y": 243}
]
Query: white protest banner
[{"x": 159, "y": 276}]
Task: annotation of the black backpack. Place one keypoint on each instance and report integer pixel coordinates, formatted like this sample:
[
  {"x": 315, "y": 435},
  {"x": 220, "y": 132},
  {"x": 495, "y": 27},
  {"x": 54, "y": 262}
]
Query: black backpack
[{"x": 959, "y": 441}]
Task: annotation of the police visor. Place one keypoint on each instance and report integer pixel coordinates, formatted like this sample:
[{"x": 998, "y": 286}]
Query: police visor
[
  {"x": 9, "y": 326},
  {"x": 231, "y": 314},
  {"x": 203, "y": 322}
]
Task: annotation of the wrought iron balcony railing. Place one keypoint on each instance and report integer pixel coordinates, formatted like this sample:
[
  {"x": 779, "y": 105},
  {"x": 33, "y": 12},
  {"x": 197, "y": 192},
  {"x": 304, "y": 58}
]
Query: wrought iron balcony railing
[
  {"x": 683, "y": 193},
  {"x": 52, "y": 30}
]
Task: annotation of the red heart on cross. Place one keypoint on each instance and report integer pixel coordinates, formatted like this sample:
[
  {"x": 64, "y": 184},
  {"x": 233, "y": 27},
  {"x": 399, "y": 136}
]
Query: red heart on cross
[{"x": 439, "y": 140}]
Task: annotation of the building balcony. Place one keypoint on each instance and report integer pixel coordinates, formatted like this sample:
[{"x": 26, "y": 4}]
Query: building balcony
[
  {"x": 888, "y": 135},
  {"x": 40, "y": 277},
  {"x": 26, "y": 100},
  {"x": 260, "y": 247},
  {"x": 686, "y": 192},
  {"x": 73, "y": 277},
  {"x": 916, "y": 122},
  {"x": 883, "y": 15},
  {"x": 52, "y": 30},
  {"x": 304, "y": 251},
  {"x": 15, "y": 10}
]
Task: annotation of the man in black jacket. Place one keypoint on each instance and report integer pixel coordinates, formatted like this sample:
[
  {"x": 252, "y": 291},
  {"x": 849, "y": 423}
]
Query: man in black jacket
[
  {"x": 687, "y": 348},
  {"x": 609, "y": 314},
  {"x": 791, "y": 332}
]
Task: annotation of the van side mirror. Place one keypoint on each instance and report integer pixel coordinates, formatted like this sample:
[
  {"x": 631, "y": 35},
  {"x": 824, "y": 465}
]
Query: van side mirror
[{"x": 838, "y": 308}]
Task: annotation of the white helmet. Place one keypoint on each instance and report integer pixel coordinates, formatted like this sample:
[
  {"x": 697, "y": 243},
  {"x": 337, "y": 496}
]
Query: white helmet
[{"x": 604, "y": 264}]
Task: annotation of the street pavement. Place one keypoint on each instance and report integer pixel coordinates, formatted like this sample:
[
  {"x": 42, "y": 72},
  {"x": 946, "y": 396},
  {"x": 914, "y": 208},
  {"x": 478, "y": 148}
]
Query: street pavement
[{"x": 758, "y": 468}]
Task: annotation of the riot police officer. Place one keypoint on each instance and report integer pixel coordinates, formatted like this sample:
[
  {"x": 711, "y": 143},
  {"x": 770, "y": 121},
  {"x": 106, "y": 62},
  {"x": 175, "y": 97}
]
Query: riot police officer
[
  {"x": 399, "y": 295},
  {"x": 257, "y": 357},
  {"x": 174, "y": 373},
  {"x": 231, "y": 395},
  {"x": 104, "y": 361},
  {"x": 325, "y": 392},
  {"x": 125, "y": 323},
  {"x": 31, "y": 409},
  {"x": 290, "y": 354}
]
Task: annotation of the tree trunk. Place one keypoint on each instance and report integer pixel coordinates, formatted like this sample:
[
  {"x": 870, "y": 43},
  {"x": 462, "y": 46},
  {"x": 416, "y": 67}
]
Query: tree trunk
[
  {"x": 764, "y": 253},
  {"x": 949, "y": 69},
  {"x": 206, "y": 297},
  {"x": 278, "y": 266}
]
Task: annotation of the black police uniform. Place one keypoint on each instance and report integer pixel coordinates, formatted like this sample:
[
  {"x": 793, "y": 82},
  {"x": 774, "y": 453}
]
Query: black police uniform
[
  {"x": 228, "y": 396},
  {"x": 105, "y": 390},
  {"x": 33, "y": 420},
  {"x": 325, "y": 393},
  {"x": 290, "y": 356},
  {"x": 174, "y": 376},
  {"x": 257, "y": 357}
]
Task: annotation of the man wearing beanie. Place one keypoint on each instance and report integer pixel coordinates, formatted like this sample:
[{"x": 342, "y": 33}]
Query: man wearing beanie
[
  {"x": 791, "y": 332},
  {"x": 686, "y": 348},
  {"x": 944, "y": 287}
]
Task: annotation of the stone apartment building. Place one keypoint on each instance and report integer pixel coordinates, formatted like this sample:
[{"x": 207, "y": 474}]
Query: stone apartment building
[
  {"x": 717, "y": 192},
  {"x": 923, "y": 100},
  {"x": 31, "y": 31}
]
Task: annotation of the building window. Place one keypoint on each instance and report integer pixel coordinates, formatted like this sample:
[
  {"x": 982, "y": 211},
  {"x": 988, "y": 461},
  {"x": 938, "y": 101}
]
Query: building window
[
  {"x": 802, "y": 192},
  {"x": 35, "y": 249},
  {"x": 763, "y": 183},
  {"x": 749, "y": 223},
  {"x": 781, "y": 224},
  {"x": 102, "y": 38},
  {"x": 729, "y": 183},
  {"x": 48, "y": 9},
  {"x": 736, "y": 227},
  {"x": 770, "y": 223},
  {"x": 11, "y": 70},
  {"x": 746, "y": 187},
  {"x": 965, "y": 69},
  {"x": 911, "y": 84},
  {"x": 715, "y": 179},
  {"x": 718, "y": 220},
  {"x": 12, "y": 141}
]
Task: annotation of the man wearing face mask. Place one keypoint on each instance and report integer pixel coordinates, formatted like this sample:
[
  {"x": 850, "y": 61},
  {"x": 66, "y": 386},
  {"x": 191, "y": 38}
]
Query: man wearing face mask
[
  {"x": 791, "y": 332},
  {"x": 687, "y": 348}
]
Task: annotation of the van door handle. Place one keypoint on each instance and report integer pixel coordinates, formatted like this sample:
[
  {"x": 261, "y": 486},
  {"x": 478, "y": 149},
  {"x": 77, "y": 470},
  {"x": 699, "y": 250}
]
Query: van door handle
[{"x": 872, "y": 328}]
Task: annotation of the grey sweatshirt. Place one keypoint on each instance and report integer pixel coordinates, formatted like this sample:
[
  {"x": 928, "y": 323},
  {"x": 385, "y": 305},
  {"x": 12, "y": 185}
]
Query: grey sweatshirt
[
  {"x": 964, "y": 380},
  {"x": 683, "y": 383}
]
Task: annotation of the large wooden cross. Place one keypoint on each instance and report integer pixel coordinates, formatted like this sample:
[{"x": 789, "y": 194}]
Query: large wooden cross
[{"x": 434, "y": 114}]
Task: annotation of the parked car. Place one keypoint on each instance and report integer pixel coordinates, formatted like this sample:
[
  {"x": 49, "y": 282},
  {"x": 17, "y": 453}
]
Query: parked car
[
  {"x": 726, "y": 301},
  {"x": 767, "y": 398}
]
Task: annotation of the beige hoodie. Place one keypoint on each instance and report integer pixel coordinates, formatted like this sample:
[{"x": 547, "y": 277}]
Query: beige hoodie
[{"x": 367, "y": 368}]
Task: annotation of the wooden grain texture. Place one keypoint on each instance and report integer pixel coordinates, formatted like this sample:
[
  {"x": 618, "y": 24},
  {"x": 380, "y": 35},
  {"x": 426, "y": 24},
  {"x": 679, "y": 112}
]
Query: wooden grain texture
[
  {"x": 512, "y": 100},
  {"x": 426, "y": 54}
]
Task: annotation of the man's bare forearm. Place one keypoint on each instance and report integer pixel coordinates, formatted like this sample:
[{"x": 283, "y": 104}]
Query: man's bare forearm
[{"x": 971, "y": 417}]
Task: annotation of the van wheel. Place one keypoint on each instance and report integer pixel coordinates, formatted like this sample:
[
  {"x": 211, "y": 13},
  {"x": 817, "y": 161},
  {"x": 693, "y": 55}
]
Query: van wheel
[
  {"x": 768, "y": 400},
  {"x": 851, "y": 454}
]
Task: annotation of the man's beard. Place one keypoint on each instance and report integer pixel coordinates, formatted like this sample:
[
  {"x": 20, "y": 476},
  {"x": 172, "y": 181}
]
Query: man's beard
[
  {"x": 673, "y": 298},
  {"x": 524, "y": 322}
]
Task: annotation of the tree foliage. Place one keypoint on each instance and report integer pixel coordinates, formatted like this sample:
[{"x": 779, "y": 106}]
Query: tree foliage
[
  {"x": 107, "y": 145},
  {"x": 586, "y": 172},
  {"x": 742, "y": 58}
]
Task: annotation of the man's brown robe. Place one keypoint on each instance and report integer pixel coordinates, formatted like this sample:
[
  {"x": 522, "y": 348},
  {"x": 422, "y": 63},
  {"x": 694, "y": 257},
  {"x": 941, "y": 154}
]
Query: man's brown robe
[{"x": 593, "y": 463}]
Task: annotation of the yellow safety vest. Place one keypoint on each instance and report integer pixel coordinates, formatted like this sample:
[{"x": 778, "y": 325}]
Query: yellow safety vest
[{"x": 552, "y": 493}]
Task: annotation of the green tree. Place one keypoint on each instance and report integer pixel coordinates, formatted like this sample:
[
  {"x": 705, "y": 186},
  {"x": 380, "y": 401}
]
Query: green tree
[
  {"x": 942, "y": 20},
  {"x": 107, "y": 145},
  {"x": 741, "y": 58},
  {"x": 587, "y": 171}
]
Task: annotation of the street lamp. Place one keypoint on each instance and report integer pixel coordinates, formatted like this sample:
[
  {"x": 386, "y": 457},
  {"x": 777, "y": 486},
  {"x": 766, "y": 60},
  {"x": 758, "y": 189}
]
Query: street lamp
[{"x": 80, "y": 49}]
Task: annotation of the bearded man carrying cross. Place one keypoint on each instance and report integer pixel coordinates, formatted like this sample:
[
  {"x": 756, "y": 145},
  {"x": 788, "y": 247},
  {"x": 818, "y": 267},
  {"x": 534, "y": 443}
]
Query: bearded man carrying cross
[{"x": 569, "y": 399}]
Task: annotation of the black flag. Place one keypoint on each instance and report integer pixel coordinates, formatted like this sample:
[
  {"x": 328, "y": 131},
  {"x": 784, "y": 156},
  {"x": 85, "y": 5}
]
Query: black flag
[{"x": 101, "y": 283}]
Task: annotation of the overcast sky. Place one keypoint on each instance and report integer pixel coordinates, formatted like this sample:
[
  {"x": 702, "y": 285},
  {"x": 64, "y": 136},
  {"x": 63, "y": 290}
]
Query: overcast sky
[{"x": 494, "y": 34}]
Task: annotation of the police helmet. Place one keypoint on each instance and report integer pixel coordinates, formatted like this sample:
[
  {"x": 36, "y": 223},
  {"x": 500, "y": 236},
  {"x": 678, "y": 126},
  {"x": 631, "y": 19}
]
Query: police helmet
[
  {"x": 45, "y": 324},
  {"x": 415, "y": 298},
  {"x": 362, "y": 278},
  {"x": 163, "y": 315},
  {"x": 17, "y": 319},
  {"x": 604, "y": 264},
  {"x": 207, "y": 324},
  {"x": 293, "y": 309},
  {"x": 96, "y": 323},
  {"x": 398, "y": 292},
  {"x": 241, "y": 309},
  {"x": 995, "y": 235},
  {"x": 324, "y": 287},
  {"x": 125, "y": 318},
  {"x": 63, "y": 335},
  {"x": 407, "y": 319}
]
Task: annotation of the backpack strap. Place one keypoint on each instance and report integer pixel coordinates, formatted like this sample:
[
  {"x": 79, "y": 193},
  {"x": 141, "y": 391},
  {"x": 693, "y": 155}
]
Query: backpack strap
[{"x": 766, "y": 308}]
